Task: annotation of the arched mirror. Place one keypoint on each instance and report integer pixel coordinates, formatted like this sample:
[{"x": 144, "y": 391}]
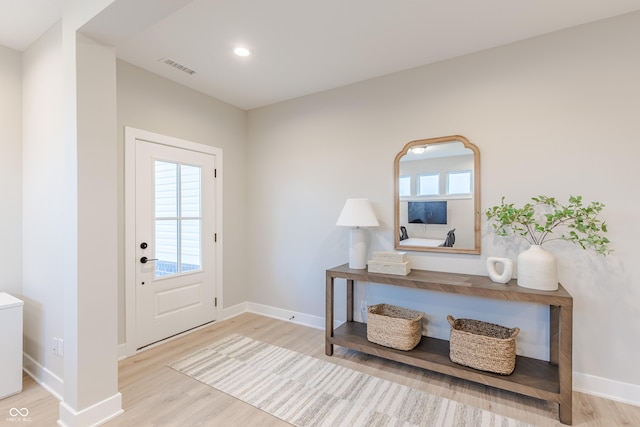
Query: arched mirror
[{"x": 437, "y": 196}]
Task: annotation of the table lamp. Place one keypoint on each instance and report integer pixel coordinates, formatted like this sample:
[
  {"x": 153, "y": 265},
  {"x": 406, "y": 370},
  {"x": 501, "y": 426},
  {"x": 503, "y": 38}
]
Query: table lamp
[{"x": 357, "y": 213}]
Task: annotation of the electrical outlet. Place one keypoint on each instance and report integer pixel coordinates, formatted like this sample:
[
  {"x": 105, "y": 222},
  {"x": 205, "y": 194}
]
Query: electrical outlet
[
  {"x": 364, "y": 312},
  {"x": 58, "y": 346}
]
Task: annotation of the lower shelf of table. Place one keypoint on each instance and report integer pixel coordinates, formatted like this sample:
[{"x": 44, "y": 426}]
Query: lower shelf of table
[{"x": 531, "y": 377}]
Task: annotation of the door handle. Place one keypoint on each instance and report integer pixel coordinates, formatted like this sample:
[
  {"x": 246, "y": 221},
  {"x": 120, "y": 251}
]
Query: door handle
[{"x": 144, "y": 259}]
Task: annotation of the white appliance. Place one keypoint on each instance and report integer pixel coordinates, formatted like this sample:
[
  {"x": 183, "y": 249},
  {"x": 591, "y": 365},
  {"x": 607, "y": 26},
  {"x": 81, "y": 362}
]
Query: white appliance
[{"x": 10, "y": 345}]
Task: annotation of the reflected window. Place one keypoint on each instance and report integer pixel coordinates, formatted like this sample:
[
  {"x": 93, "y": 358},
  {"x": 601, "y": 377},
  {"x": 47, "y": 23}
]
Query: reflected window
[
  {"x": 405, "y": 186},
  {"x": 459, "y": 182},
  {"x": 429, "y": 184}
]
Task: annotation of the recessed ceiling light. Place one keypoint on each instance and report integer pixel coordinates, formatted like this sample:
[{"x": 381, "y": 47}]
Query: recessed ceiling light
[{"x": 242, "y": 51}]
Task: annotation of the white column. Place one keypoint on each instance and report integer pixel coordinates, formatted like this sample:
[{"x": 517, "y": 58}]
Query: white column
[{"x": 91, "y": 394}]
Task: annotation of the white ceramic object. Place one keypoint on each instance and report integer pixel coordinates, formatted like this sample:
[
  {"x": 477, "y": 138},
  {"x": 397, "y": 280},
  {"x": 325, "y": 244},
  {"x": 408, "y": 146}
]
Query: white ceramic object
[
  {"x": 358, "y": 248},
  {"x": 537, "y": 269},
  {"x": 506, "y": 265}
]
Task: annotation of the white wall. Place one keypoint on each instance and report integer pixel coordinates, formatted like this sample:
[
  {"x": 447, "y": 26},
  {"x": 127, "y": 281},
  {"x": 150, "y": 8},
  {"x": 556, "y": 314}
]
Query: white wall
[
  {"x": 43, "y": 213},
  {"x": 553, "y": 115},
  {"x": 152, "y": 103},
  {"x": 11, "y": 170}
]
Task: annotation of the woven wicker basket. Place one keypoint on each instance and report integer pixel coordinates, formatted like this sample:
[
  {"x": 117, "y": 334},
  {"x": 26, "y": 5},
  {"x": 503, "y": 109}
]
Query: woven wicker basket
[
  {"x": 484, "y": 346},
  {"x": 394, "y": 327}
]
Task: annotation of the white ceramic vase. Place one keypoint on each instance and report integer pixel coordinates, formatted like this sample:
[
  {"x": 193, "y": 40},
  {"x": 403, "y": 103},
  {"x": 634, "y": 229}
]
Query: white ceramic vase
[
  {"x": 537, "y": 269},
  {"x": 506, "y": 265}
]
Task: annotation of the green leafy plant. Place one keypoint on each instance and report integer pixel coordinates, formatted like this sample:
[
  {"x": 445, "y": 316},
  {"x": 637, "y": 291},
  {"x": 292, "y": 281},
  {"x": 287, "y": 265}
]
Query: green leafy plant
[{"x": 537, "y": 222}]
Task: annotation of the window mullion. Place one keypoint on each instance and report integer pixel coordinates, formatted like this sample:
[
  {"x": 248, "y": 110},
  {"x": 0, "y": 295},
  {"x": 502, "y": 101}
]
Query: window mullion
[{"x": 179, "y": 219}]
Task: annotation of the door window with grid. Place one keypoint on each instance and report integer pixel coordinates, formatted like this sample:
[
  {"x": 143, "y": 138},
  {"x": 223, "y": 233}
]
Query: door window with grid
[{"x": 178, "y": 218}]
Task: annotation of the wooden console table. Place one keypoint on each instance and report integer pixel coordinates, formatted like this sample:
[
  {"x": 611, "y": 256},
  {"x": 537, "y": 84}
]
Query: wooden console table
[{"x": 551, "y": 381}]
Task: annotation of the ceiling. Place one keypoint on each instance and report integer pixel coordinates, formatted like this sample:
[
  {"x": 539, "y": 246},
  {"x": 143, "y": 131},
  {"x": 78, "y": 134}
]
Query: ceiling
[{"x": 300, "y": 47}]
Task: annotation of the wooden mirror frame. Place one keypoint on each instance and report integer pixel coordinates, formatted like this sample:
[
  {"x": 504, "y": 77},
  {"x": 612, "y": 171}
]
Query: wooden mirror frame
[{"x": 476, "y": 196}]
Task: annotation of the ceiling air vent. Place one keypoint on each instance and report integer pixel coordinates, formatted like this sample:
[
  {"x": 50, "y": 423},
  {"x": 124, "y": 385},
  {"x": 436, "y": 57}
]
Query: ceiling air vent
[{"x": 180, "y": 67}]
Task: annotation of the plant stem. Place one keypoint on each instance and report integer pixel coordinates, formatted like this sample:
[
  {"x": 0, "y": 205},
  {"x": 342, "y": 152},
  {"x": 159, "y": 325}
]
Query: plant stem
[{"x": 531, "y": 233}]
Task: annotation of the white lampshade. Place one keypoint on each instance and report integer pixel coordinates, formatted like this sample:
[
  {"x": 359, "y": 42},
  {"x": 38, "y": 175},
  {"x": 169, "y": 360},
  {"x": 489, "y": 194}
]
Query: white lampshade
[{"x": 357, "y": 213}]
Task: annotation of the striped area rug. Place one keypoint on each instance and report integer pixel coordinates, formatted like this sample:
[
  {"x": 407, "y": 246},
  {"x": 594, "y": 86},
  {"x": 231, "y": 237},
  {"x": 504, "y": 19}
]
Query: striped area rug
[{"x": 306, "y": 391}]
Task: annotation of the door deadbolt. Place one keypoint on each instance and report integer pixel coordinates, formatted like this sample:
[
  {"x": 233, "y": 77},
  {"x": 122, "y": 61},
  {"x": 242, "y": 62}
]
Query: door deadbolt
[{"x": 143, "y": 245}]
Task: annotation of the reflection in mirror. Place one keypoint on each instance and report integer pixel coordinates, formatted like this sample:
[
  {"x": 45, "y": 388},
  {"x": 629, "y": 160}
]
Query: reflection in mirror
[{"x": 437, "y": 196}]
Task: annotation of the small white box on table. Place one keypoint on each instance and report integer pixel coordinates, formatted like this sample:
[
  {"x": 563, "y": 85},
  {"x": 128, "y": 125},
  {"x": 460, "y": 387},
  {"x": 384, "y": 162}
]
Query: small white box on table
[
  {"x": 389, "y": 263},
  {"x": 389, "y": 256}
]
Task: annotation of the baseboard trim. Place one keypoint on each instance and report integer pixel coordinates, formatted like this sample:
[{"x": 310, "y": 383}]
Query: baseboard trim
[
  {"x": 234, "y": 311},
  {"x": 287, "y": 315},
  {"x": 606, "y": 388},
  {"x": 43, "y": 376},
  {"x": 94, "y": 415},
  {"x": 122, "y": 351}
]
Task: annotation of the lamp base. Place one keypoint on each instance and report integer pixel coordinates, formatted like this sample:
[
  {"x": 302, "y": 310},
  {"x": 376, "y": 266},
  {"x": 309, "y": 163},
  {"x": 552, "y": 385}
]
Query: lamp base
[{"x": 358, "y": 249}]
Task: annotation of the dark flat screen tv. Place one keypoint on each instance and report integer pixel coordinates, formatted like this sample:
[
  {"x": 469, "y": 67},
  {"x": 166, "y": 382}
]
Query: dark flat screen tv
[{"x": 434, "y": 212}]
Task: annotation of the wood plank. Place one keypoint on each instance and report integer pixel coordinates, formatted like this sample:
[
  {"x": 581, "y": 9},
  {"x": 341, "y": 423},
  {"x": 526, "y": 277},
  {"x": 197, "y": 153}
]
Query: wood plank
[{"x": 456, "y": 283}]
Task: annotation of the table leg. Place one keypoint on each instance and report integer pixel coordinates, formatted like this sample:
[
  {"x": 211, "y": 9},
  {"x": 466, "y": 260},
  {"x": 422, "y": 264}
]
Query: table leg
[
  {"x": 328, "y": 347},
  {"x": 554, "y": 334},
  {"x": 565, "y": 365},
  {"x": 350, "y": 300}
]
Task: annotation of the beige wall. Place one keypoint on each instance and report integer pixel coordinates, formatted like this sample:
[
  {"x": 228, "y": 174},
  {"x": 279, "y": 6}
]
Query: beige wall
[
  {"x": 152, "y": 103},
  {"x": 553, "y": 115}
]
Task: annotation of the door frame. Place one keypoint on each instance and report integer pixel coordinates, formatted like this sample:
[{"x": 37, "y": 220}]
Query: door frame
[{"x": 131, "y": 135}]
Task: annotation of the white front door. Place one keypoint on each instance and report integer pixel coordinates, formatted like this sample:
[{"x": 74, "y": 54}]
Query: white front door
[{"x": 175, "y": 233}]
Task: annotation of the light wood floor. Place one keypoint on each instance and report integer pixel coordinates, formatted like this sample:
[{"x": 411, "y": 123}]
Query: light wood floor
[{"x": 156, "y": 395}]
